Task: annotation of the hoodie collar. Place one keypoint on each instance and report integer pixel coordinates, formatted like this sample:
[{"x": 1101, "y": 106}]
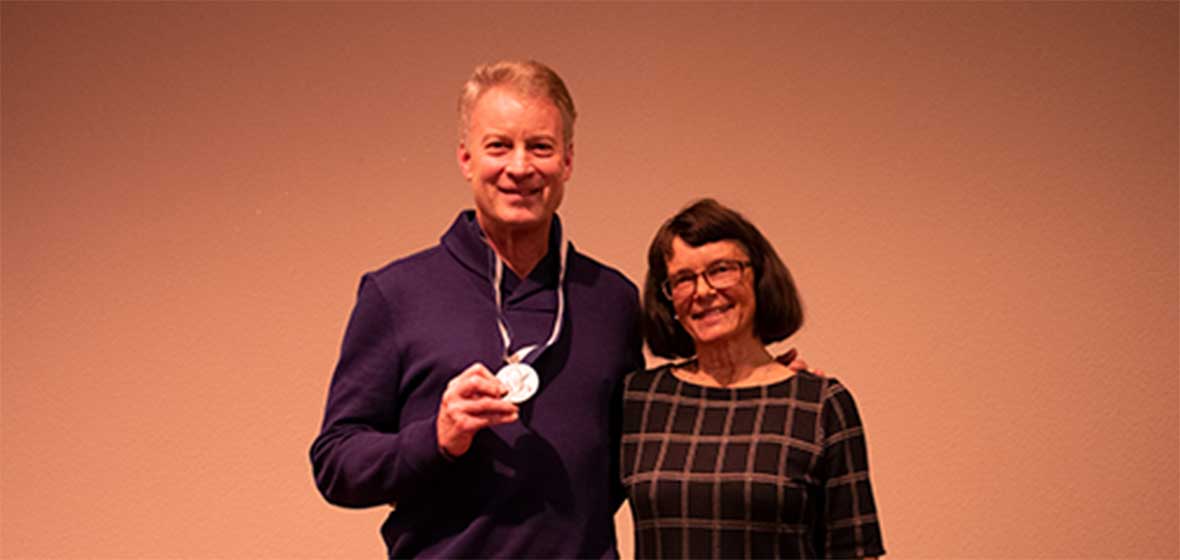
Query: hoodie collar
[{"x": 465, "y": 241}]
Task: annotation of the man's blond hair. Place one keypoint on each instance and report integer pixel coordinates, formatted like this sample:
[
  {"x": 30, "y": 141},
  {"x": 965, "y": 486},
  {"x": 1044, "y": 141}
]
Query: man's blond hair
[{"x": 529, "y": 78}]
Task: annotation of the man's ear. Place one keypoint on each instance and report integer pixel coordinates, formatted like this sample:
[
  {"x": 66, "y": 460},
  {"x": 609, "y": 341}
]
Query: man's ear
[
  {"x": 568, "y": 156},
  {"x": 463, "y": 156}
]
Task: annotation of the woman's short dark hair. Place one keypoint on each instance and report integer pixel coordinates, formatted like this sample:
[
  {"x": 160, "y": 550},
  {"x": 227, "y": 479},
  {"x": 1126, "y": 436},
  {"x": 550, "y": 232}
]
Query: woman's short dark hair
[{"x": 779, "y": 312}]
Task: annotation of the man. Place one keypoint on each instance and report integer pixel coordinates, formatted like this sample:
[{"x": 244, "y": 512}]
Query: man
[{"x": 476, "y": 466}]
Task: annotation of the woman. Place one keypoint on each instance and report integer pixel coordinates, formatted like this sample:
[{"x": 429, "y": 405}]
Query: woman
[{"x": 730, "y": 453}]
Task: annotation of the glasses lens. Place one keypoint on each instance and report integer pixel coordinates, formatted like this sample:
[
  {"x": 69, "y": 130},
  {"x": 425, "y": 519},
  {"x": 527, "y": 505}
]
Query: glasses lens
[
  {"x": 680, "y": 287},
  {"x": 724, "y": 274}
]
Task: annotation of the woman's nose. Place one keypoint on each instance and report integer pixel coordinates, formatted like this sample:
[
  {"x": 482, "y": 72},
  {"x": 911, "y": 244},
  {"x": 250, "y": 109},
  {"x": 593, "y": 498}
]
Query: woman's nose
[{"x": 703, "y": 287}]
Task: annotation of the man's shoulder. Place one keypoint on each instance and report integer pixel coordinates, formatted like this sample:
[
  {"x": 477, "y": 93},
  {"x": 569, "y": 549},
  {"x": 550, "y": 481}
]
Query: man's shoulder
[
  {"x": 424, "y": 263},
  {"x": 602, "y": 276}
]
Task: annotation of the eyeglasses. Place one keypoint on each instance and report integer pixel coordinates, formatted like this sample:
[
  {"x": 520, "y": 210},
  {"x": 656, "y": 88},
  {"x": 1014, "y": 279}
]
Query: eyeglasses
[{"x": 719, "y": 275}]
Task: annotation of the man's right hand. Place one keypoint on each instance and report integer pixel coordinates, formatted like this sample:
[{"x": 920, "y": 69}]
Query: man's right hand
[{"x": 472, "y": 402}]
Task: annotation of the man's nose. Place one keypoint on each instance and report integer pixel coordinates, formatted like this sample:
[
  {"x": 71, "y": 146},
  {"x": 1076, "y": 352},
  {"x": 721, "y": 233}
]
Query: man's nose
[{"x": 519, "y": 164}]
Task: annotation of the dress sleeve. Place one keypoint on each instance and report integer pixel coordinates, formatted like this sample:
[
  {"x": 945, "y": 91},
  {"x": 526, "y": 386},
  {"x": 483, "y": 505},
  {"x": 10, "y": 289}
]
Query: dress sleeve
[
  {"x": 362, "y": 456},
  {"x": 850, "y": 522}
]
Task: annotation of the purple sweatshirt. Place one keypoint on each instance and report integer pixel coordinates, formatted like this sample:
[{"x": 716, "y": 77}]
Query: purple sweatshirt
[{"x": 544, "y": 486}]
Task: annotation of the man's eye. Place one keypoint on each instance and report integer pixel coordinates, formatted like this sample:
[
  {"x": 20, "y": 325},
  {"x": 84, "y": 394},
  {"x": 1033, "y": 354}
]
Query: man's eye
[
  {"x": 495, "y": 146},
  {"x": 542, "y": 148}
]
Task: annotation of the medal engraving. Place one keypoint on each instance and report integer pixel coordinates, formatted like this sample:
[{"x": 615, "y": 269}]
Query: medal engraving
[{"x": 521, "y": 380}]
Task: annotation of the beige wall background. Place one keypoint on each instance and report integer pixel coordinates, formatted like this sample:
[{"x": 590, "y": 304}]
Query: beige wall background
[{"x": 980, "y": 203}]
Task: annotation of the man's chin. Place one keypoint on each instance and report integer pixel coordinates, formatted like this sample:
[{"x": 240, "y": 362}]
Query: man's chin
[
  {"x": 521, "y": 221},
  {"x": 524, "y": 216}
]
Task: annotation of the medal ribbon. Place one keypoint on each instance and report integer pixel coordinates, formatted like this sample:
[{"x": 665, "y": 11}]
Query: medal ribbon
[{"x": 530, "y": 353}]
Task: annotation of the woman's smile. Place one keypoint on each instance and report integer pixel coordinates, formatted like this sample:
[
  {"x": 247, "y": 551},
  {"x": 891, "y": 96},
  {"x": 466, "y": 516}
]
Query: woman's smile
[{"x": 713, "y": 313}]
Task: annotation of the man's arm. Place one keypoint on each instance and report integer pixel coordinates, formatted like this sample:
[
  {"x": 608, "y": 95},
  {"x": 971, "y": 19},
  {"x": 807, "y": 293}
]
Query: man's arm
[
  {"x": 362, "y": 456},
  {"x": 634, "y": 361}
]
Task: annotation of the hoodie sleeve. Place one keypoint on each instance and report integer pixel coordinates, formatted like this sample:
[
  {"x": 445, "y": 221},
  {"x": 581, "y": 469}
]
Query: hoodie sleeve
[
  {"x": 362, "y": 456},
  {"x": 633, "y": 362}
]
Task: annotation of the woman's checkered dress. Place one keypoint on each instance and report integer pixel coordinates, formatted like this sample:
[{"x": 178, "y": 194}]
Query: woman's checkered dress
[{"x": 777, "y": 470}]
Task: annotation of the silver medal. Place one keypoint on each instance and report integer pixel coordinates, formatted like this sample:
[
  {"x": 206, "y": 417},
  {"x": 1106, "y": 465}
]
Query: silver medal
[{"x": 520, "y": 379}]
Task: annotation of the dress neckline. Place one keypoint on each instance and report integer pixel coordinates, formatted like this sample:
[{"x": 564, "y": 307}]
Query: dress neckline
[{"x": 784, "y": 359}]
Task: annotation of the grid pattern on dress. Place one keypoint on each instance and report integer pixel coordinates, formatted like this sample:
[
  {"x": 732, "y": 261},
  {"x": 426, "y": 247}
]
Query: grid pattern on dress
[{"x": 779, "y": 470}]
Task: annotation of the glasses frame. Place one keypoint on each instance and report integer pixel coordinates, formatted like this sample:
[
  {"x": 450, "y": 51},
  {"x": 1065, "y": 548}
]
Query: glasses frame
[{"x": 666, "y": 285}]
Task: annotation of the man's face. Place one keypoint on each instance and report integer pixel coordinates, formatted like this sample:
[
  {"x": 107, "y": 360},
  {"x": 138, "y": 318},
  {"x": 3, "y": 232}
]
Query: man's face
[{"x": 515, "y": 160}]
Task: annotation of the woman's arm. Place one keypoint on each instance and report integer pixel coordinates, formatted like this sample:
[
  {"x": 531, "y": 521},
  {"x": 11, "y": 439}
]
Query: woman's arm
[{"x": 850, "y": 513}]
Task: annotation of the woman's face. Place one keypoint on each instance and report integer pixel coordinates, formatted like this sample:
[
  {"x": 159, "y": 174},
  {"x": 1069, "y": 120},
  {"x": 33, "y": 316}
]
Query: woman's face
[{"x": 709, "y": 314}]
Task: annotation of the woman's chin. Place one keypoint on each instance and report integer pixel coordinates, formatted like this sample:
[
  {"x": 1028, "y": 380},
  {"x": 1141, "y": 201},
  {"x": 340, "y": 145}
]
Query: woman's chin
[
  {"x": 720, "y": 333},
  {"x": 713, "y": 335}
]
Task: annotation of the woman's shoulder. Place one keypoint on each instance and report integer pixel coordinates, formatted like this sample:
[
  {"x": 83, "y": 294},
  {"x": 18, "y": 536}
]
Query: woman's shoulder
[
  {"x": 838, "y": 408},
  {"x": 807, "y": 386}
]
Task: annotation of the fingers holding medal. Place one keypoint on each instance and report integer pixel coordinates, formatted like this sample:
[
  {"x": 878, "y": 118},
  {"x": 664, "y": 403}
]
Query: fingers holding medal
[{"x": 472, "y": 401}]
